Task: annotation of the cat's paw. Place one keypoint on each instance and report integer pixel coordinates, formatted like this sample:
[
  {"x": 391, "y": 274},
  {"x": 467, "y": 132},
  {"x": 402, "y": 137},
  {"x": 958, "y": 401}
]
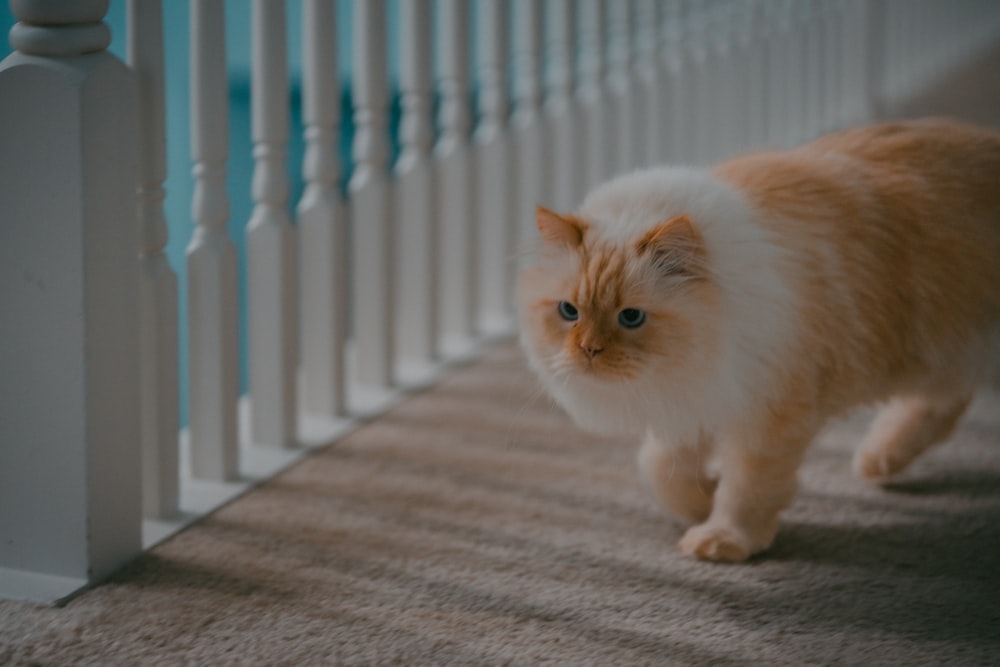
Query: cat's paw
[
  {"x": 874, "y": 466},
  {"x": 720, "y": 544}
]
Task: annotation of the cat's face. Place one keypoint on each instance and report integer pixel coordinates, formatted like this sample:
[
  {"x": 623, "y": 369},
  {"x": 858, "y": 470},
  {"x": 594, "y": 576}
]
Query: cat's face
[{"x": 606, "y": 321}]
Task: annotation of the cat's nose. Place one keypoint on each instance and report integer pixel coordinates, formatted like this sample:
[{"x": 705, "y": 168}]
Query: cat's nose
[{"x": 590, "y": 350}]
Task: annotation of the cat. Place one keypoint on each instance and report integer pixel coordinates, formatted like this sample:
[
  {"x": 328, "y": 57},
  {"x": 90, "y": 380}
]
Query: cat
[{"x": 724, "y": 315}]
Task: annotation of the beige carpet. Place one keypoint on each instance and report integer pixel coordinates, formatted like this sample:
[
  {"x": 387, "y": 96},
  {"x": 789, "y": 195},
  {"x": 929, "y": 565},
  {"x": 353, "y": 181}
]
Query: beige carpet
[{"x": 474, "y": 525}]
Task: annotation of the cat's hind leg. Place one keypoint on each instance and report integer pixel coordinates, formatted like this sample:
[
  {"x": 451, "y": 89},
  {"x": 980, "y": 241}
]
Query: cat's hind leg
[
  {"x": 905, "y": 428},
  {"x": 677, "y": 475}
]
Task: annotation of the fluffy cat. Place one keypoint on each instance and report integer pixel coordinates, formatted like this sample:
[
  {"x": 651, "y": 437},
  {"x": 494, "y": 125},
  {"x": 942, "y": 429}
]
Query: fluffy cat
[{"x": 725, "y": 314}]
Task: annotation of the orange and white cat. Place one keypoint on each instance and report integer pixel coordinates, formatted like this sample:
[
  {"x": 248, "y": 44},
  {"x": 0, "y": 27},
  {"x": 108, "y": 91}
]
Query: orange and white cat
[{"x": 725, "y": 314}]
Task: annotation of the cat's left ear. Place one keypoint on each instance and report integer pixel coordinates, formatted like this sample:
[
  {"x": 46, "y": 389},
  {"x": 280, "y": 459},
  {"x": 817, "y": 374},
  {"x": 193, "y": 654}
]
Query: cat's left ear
[{"x": 675, "y": 246}]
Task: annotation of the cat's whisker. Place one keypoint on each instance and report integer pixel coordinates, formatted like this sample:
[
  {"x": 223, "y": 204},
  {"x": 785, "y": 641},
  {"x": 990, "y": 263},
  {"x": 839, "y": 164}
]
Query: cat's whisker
[{"x": 537, "y": 392}]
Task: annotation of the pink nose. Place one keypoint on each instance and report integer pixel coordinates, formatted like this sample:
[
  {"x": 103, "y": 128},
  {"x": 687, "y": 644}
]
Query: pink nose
[{"x": 591, "y": 351}]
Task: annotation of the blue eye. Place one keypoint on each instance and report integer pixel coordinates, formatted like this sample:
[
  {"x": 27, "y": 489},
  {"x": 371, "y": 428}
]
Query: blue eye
[
  {"x": 631, "y": 318},
  {"x": 568, "y": 311}
]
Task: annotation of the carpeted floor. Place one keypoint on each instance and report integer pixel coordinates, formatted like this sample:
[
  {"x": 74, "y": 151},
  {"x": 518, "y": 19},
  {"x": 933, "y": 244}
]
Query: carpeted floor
[{"x": 474, "y": 525}]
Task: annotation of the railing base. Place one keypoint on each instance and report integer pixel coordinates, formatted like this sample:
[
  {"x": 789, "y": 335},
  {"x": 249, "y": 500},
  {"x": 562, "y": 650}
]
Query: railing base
[{"x": 36, "y": 586}]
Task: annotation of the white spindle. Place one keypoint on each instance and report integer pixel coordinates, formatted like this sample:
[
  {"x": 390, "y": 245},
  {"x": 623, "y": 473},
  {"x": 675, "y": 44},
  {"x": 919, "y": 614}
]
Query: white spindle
[
  {"x": 674, "y": 96},
  {"x": 493, "y": 172},
  {"x": 752, "y": 54},
  {"x": 873, "y": 70},
  {"x": 649, "y": 117},
  {"x": 530, "y": 159},
  {"x": 782, "y": 82},
  {"x": 561, "y": 116},
  {"x": 726, "y": 91},
  {"x": 620, "y": 103},
  {"x": 415, "y": 210},
  {"x": 833, "y": 94},
  {"x": 157, "y": 283},
  {"x": 70, "y": 492},
  {"x": 798, "y": 77},
  {"x": 213, "y": 369},
  {"x": 591, "y": 94},
  {"x": 372, "y": 278},
  {"x": 852, "y": 53},
  {"x": 698, "y": 80},
  {"x": 813, "y": 29},
  {"x": 321, "y": 215},
  {"x": 455, "y": 179},
  {"x": 271, "y": 244},
  {"x": 857, "y": 52}
]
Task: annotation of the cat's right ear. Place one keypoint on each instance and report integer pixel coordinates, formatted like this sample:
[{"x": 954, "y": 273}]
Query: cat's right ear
[
  {"x": 676, "y": 247},
  {"x": 557, "y": 230}
]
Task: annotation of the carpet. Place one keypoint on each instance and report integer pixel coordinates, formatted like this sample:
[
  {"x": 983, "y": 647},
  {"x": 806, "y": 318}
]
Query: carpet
[{"x": 474, "y": 525}]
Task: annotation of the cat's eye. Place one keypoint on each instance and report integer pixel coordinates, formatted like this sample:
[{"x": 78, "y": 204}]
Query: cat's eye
[
  {"x": 631, "y": 318},
  {"x": 568, "y": 311}
]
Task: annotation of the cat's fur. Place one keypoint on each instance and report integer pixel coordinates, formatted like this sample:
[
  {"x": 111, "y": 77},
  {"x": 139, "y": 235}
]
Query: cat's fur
[{"x": 780, "y": 289}]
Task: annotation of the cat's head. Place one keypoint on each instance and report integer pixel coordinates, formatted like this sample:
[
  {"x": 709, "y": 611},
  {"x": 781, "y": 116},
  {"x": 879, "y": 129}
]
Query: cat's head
[{"x": 617, "y": 318}]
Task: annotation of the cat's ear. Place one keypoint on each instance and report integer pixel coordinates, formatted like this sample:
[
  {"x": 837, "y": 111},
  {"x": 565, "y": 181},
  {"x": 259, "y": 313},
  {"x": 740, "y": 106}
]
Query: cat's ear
[
  {"x": 558, "y": 230},
  {"x": 675, "y": 246}
]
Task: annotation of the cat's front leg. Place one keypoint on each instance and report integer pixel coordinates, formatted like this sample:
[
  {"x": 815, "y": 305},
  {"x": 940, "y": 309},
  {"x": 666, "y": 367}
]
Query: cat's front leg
[
  {"x": 755, "y": 485},
  {"x": 677, "y": 475}
]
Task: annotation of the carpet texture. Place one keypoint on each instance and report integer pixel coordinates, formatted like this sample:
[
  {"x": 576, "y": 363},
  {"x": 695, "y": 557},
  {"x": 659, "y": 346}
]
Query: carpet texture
[{"x": 473, "y": 525}]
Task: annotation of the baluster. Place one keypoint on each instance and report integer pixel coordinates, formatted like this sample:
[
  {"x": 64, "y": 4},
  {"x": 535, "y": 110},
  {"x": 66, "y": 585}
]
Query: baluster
[
  {"x": 752, "y": 51},
  {"x": 833, "y": 94},
  {"x": 321, "y": 215},
  {"x": 873, "y": 70},
  {"x": 649, "y": 117},
  {"x": 158, "y": 367},
  {"x": 903, "y": 61},
  {"x": 622, "y": 129},
  {"x": 853, "y": 54},
  {"x": 70, "y": 492},
  {"x": 789, "y": 57},
  {"x": 455, "y": 179},
  {"x": 710, "y": 87},
  {"x": 801, "y": 86},
  {"x": 812, "y": 27},
  {"x": 211, "y": 258},
  {"x": 493, "y": 165},
  {"x": 559, "y": 108},
  {"x": 271, "y": 243},
  {"x": 731, "y": 83},
  {"x": 731, "y": 99},
  {"x": 590, "y": 93},
  {"x": 776, "y": 73},
  {"x": 417, "y": 284},
  {"x": 370, "y": 206},
  {"x": 702, "y": 116},
  {"x": 674, "y": 96},
  {"x": 527, "y": 122}
]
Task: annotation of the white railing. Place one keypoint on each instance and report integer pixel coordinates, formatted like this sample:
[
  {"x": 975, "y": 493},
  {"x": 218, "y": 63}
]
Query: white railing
[{"x": 365, "y": 293}]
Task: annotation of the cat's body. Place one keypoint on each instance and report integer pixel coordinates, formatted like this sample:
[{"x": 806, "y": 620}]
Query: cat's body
[{"x": 725, "y": 315}]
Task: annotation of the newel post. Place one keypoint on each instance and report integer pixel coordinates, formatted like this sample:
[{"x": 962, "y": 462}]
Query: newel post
[{"x": 70, "y": 501}]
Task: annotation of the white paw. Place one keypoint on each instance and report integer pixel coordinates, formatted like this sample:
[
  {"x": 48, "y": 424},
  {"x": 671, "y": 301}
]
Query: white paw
[
  {"x": 873, "y": 467},
  {"x": 721, "y": 544}
]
